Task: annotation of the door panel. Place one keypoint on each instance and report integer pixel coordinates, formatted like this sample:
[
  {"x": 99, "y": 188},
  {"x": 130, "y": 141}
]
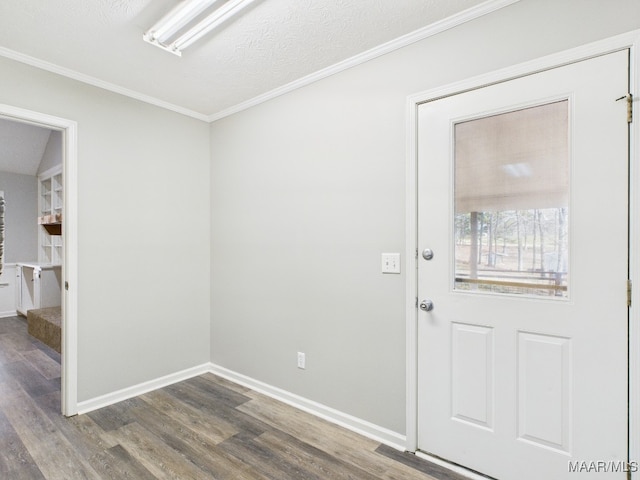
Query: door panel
[
  {"x": 472, "y": 374},
  {"x": 523, "y": 197},
  {"x": 544, "y": 390}
]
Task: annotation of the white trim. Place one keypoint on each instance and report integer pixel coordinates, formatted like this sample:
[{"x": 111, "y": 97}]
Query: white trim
[
  {"x": 69, "y": 380},
  {"x": 96, "y": 82},
  {"x": 630, "y": 40},
  {"x": 9, "y": 313},
  {"x": 357, "y": 425},
  {"x": 70, "y": 271},
  {"x": 411, "y": 267},
  {"x": 50, "y": 172},
  {"x": 87, "y": 406},
  {"x": 400, "y": 42},
  {"x": 602, "y": 47},
  {"x": 634, "y": 263}
]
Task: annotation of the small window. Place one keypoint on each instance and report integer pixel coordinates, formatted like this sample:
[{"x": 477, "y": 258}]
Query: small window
[{"x": 512, "y": 202}]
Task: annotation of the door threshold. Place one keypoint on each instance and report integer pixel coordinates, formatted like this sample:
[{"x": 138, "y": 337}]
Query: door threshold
[{"x": 454, "y": 467}]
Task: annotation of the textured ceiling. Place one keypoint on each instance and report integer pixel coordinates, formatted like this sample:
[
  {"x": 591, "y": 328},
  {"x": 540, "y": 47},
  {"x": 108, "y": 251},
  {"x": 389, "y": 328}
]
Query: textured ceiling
[{"x": 271, "y": 44}]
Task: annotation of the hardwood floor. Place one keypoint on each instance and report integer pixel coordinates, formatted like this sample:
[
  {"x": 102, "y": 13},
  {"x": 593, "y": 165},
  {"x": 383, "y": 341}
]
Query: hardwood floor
[{"x": 202, "y": 428}]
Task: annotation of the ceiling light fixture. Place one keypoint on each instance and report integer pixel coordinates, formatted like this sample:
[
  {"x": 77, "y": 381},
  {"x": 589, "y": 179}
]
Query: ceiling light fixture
[{"x": 170, "y": 34}]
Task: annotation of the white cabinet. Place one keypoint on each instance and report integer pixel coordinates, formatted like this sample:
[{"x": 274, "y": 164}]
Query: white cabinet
[
  {"x": 37, "y": 286},
  {"x": 8, "y": 291}
]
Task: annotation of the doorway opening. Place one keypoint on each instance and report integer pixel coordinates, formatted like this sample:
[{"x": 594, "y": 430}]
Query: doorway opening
[{"x": 45, "y": 273}]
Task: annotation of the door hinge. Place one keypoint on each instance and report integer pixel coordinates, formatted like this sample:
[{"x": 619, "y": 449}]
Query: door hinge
[
  {"x": 629, "y": 293},
  {"x": 629, "y": 98}
]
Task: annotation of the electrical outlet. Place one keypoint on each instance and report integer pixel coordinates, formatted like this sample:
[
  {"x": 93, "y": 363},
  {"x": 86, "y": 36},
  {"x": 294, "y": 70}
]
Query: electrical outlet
[{"x": 302, "y": 361}]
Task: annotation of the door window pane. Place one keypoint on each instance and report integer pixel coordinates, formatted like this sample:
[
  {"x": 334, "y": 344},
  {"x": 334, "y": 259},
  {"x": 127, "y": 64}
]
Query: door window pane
[{"x": 512, "y": 202}]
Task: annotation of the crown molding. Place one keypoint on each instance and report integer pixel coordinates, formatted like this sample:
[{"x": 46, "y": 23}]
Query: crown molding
[
  {"x": 96, "y": 82},
  {"x": 400, "y": 42}
]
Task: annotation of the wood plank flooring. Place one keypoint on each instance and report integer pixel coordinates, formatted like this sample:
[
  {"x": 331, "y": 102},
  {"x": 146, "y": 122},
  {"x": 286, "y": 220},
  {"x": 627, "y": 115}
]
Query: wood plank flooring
[{"x": 202, "y": 428}]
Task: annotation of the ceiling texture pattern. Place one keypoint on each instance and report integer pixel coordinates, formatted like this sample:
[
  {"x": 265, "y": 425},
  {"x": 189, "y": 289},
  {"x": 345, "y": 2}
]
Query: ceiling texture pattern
[{"x": 271, "y": 44}]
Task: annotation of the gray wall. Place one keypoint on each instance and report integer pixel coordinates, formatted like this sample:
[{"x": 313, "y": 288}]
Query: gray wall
[
  {"x": 309, "y": 189},
  {"x": 52, "y": 155},
  {"x": 143, "y": 207},
  {"x": 21, "y": 215},
  {"x": 303, "y": 194}
]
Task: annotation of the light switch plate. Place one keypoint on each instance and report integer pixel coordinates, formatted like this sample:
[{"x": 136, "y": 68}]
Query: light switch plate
[{"x": 390, "y": 263}]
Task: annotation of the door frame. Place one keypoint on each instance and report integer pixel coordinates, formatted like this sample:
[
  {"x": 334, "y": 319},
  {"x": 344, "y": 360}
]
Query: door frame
[
  {"x": 629, "y": 41},
  {"x": 69, "y": 357}
]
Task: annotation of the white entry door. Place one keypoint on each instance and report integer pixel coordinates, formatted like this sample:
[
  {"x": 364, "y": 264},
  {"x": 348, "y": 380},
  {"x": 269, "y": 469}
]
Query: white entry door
[{"x": 522, "y": 330}]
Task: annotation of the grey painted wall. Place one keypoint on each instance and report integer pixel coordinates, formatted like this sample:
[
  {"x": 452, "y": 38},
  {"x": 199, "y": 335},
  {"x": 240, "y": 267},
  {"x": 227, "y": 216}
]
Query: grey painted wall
[
  {"x": 21, "y": 214},
  {"x": 309, "y": 189},
  {"x": 143, "y": 208},
  {"x": 302, "y": 195},
  {"x": 52, "y": 155}
]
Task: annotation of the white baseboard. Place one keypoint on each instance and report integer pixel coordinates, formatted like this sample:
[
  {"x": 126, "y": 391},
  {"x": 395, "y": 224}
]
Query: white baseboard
[
  {"x": 362, "y": 427},
  {"x": 135, "y": 390},
  {"x": 10, "y": 313}
]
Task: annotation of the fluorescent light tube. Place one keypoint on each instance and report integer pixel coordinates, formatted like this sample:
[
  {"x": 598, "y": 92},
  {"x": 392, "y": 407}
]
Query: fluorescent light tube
[
  {"x": 184, "y": 13},
  {"x": 226, "y": 11},
  {"x": 177, "y": 18}
]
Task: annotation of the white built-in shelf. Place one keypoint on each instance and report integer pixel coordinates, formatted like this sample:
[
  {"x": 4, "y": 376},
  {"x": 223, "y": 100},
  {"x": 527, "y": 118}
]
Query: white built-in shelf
[{"x": 51, "y": 198}]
